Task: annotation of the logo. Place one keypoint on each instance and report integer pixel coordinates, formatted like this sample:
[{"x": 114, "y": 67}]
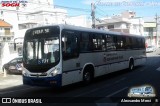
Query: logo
[
  {"x": 6, "y": 100},
  {"x": 14, "y": 3},
  {"x": 142, "y": 91},
  {"x": 20, "y": 100},
  {"x": 37, "y": 75}
]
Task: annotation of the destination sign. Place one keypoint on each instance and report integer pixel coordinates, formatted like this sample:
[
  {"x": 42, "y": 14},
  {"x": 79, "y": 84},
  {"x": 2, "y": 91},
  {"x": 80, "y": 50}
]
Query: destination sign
[{"x": 40, "y": 31}]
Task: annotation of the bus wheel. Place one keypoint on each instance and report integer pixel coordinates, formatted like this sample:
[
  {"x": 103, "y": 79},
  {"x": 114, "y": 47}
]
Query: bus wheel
[
  {"x": 87, "y": 77},
  {"x": 131, "y": 65}
]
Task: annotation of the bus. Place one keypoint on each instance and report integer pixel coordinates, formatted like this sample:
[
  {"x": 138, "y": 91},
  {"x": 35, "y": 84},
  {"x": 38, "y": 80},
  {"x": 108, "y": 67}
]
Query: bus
[{"x": 60, "y": 55}]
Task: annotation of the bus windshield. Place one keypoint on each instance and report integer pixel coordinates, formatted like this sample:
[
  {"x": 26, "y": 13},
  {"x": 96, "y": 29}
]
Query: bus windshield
[{"x": 42, "y": 50}]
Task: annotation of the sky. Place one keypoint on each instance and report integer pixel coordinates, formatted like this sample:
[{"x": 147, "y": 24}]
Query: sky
[{"x": 143, "y": 8}]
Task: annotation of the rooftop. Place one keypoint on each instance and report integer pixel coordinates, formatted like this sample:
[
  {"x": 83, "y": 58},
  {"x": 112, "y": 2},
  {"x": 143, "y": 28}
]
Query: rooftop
[{"x": 4, "y": 24}]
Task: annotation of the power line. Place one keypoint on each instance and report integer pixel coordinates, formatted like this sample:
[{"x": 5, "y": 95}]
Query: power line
[
  {"x": 78, "y": 9},
  {"x": 100, "y": 10},
  {"x": 28, "y": 13},
  {"x": 93, "y": 15},
  {"x": 66, "y": 7}
]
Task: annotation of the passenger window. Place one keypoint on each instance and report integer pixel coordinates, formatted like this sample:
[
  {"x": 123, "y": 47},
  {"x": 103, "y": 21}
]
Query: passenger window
[
  {"x": 98, "y": 42},
  {"x": 120, "y": 44},
  {"x": 139, "y": 43},
  {"x": 69, "y": 44},
  {"x": 85, "y": 44},
  {"x": 110, "y": 43},
  {"x": 135, "y": 43},
  {"x": 128, "y": 43},
  {"x": 142, "y": 43}
]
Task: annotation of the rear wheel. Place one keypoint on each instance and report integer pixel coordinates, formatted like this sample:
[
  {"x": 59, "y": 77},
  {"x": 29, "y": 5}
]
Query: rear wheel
[
  {"x": 87, "y": 77},
  {"x": 131, "y": 65}
]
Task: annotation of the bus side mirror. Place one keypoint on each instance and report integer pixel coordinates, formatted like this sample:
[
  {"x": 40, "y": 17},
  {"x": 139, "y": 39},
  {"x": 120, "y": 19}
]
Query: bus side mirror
[{"x": 14, "y": 46}]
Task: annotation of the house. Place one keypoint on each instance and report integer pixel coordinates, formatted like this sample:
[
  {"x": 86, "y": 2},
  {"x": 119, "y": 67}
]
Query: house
[
  {"x": 126, "y": 22},
  {"x": 6, "y": 33},
  {"x": 150, "y": 32}
]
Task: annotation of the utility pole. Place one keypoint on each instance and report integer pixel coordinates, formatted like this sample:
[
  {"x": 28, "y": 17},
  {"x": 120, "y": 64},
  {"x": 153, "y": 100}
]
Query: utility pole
[
  {"x": 156, "y": 29},
  {"x": 93, "y": 14},
  {"x": 140, "y": 27},
  {"x": 17, "y": 8}
]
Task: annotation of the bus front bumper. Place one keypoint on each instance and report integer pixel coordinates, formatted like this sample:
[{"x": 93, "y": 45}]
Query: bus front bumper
[{"x": 43, "y": 81}]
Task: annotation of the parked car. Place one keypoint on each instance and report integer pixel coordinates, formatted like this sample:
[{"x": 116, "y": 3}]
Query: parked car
[
  {"x": 14, "y": 66},
  {"x": 150, "y": 49}
]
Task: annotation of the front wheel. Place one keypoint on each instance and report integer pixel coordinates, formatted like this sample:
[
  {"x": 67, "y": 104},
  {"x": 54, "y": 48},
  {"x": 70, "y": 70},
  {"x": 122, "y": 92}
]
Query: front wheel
[{"x": 6, "y": 71}]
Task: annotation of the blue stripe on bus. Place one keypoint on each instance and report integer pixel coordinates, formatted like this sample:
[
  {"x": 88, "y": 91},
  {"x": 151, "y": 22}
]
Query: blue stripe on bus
[
  {"x": 72, "y": 70},
  {"x": 55, "y": 81}
]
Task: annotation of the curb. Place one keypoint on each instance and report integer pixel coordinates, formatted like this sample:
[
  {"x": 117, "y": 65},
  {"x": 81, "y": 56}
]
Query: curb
[
  {"x": 1, "y": 73},
  {"x": 9, "y": 81}
]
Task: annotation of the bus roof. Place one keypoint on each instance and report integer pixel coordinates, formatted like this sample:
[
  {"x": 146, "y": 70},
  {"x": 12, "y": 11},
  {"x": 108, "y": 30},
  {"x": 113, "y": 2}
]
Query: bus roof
[{"x": 79, "y": 28}]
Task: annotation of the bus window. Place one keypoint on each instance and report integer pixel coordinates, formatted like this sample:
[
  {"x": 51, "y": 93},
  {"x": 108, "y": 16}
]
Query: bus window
[
  {"x": 143, "y": 43},
  {"x": 134, "y": 43},
  {"x": 110, "y": 43},
  {"x": 139, "y": 43},
  {"x": 128, "y": 43},
  {"x": 98, "y": 42},
  {"x": 120, "y": 44},
  {"x": 69, "y": 45},
  {"x": 85, "y": 43}
]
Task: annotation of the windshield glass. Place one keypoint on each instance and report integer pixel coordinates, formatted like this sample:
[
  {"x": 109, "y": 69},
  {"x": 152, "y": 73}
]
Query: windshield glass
[{"x": 42, "y": 49}]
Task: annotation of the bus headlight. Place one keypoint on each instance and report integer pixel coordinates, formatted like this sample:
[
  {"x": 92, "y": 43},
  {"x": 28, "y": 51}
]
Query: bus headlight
[{"x": 55, "y": 72}]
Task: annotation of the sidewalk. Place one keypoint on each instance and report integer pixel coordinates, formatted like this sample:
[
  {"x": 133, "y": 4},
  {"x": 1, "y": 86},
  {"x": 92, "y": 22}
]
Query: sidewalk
[{"x": 9, "y": 80}]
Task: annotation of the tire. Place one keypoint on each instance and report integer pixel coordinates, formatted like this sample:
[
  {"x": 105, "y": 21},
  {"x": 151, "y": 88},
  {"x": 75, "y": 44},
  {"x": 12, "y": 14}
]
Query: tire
[
  {"x": 7, "y": 71},
  {"x": 87, "y": 77},
  {"x": 131, "y": 65}
]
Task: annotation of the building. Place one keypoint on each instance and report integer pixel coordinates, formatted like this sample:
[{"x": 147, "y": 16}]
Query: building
[
  {"x": 6, "y": 32},
  {"x": 34, "y": 13},
  {"x": 150, "y": 32},
  {"x": 125, "y": 22},
  {"x": 38, "y": 13},
  {"x": 128, "y": 14},
  {"x": 6, "y": 35},
  {"x": 19, "y": 19},
  {"x": 117, "y": 24}
]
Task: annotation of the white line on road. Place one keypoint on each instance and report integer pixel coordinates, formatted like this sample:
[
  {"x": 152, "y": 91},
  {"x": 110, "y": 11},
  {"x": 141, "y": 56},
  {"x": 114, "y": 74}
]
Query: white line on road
[
  {"x": 92, "y": 91},
  {"x": 120, "y": 80},
  {"x": 1, "y": 93},
  {"x": 158, "y": 69},
  {"x": 99, "y": 88},
  {"x": 116, "y": 92}
]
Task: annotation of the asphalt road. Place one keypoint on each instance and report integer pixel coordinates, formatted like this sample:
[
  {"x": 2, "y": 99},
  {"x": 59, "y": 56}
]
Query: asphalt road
[{"x": 107, "y": 90}]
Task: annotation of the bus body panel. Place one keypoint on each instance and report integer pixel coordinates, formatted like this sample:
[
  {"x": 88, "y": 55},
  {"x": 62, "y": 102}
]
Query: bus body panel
[
  {"x": 71, "y": 77},
  {"x": 120, "y": 61}
]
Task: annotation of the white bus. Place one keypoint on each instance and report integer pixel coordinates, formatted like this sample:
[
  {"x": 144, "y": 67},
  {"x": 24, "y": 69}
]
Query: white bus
[{"x": 59, "y": 55}]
